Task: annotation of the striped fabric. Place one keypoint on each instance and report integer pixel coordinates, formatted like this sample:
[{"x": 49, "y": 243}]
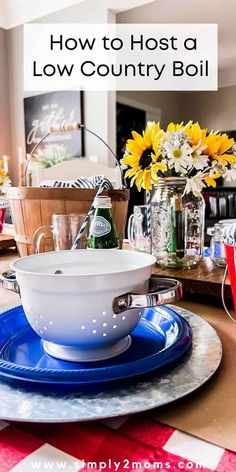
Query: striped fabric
[{"x": 90, "y": 182}]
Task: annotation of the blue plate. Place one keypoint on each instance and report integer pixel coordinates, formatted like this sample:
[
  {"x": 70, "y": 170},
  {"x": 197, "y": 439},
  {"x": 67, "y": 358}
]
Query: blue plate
[{"x": 161, "y": 337}]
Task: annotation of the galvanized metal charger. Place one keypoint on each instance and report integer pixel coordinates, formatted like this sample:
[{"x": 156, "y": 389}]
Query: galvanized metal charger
[{"x": 192, "y": 372}]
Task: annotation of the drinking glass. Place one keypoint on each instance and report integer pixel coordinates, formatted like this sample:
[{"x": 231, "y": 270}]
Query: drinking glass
[
  {"x": 138, "y": 235},
  {"x": 64, "y": 229}
]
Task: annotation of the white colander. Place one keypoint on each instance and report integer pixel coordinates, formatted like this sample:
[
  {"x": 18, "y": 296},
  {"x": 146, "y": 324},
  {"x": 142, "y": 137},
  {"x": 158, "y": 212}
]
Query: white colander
[{"x": 75, "y": 300}]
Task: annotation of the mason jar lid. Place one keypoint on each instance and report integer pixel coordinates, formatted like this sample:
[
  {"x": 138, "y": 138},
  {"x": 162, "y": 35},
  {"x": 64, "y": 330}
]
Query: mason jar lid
[
  {"x": 170, "y": 181},
  {"x": 102, "y": 202},
  {"x": 3, "y": 203}
]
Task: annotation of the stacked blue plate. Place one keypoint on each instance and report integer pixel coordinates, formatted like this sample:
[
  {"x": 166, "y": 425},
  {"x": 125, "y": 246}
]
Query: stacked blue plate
[{"x": 161, "y": 338}]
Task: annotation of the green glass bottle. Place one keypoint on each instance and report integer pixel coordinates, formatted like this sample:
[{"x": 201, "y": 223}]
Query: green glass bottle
[{"x": 103, "y": 233}]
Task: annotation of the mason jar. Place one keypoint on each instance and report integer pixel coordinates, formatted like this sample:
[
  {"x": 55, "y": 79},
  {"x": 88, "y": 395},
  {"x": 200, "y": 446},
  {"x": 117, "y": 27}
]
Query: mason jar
[
  {"x": 177, "y": 224},
  {"x": 217, "y": 246}
]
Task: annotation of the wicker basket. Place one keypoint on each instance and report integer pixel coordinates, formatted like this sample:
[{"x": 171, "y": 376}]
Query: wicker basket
[{"x": 33, "y": 207}]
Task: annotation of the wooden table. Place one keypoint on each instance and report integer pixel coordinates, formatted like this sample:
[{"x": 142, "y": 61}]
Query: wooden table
[
  {"x": 7, "y": 241},
  {"x": 204, "y": 280}
]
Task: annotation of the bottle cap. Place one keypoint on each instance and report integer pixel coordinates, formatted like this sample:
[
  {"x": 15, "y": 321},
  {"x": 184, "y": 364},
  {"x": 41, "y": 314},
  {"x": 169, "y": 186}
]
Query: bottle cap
[{"x": 102, "y": 202}]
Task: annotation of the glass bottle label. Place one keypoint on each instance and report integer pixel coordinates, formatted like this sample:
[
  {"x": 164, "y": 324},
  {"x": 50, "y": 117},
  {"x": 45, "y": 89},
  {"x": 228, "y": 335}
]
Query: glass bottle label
[{"x": 100, "y": 226}]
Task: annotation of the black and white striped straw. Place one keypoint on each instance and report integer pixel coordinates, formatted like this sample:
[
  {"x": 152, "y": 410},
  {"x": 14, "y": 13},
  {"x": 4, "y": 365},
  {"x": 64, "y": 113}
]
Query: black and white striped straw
[{"x": 148, "y": 203}]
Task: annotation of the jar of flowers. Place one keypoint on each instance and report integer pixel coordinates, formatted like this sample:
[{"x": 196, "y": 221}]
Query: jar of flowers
[{"x": 175, "y": 165}]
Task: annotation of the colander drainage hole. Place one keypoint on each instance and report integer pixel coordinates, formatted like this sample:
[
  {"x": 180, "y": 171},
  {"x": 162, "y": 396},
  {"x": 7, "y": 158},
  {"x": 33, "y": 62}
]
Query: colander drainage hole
[
  {"x": 104, "y": 334},
  {"x": 82, "y": 327},
  {"x": 94, "y": 331}
]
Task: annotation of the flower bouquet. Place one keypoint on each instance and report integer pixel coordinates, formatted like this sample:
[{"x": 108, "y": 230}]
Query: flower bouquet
[
  {"x": 183, "y": 150},
  {"x": 178, "y": 162},
  {"x": 4, "y": 178},
  {"x": 51, "y": 155},
  {"x": 4, "y": 182}
]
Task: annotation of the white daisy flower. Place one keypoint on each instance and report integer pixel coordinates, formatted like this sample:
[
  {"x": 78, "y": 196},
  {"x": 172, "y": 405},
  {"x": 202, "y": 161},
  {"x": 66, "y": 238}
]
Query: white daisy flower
[
  {"x": 179, "y": 136},
  {"x": 230, "y": 174},
  {"x": 217, "y": 167},
  {"x": 233, "y": 149},
  {"x": 194, "y": 184},
  {"x": 179, "y": 155},
  {"x": 214, "y": 163},
  {"x": 4, "y": 184},
  {"x": 213, "y": 171},
  {"x": 125, "y": 166},
  {"x": 200, "y": 160}
]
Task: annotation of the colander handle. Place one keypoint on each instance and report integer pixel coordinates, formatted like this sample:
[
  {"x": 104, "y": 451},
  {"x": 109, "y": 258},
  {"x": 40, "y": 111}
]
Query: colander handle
[
  {"x": 8, "y": 281},
  {"x": 161, "y": 291}
]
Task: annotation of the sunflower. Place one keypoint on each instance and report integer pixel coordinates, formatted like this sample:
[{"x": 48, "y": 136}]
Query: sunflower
[
  {"x": 210, "y": 179},
  {"x": 3, "y": 174},
  {"x": 225, "y": 144},
  {"x": 217, "y": 144},
  {"x": 195, "y": 132},
  {"x": 142, "y": 157},
  {"x": 172, "y": 127}
]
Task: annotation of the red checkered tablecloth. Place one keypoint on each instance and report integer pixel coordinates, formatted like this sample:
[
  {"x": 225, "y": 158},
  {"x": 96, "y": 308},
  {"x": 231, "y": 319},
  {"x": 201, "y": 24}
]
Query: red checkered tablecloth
[{"x": 119, "y": 444}]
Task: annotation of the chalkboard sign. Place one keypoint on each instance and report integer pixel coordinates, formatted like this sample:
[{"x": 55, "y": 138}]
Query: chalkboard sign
[
  {"x": 129, "y": 118},
  {"x": 43, "y": 111}
]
